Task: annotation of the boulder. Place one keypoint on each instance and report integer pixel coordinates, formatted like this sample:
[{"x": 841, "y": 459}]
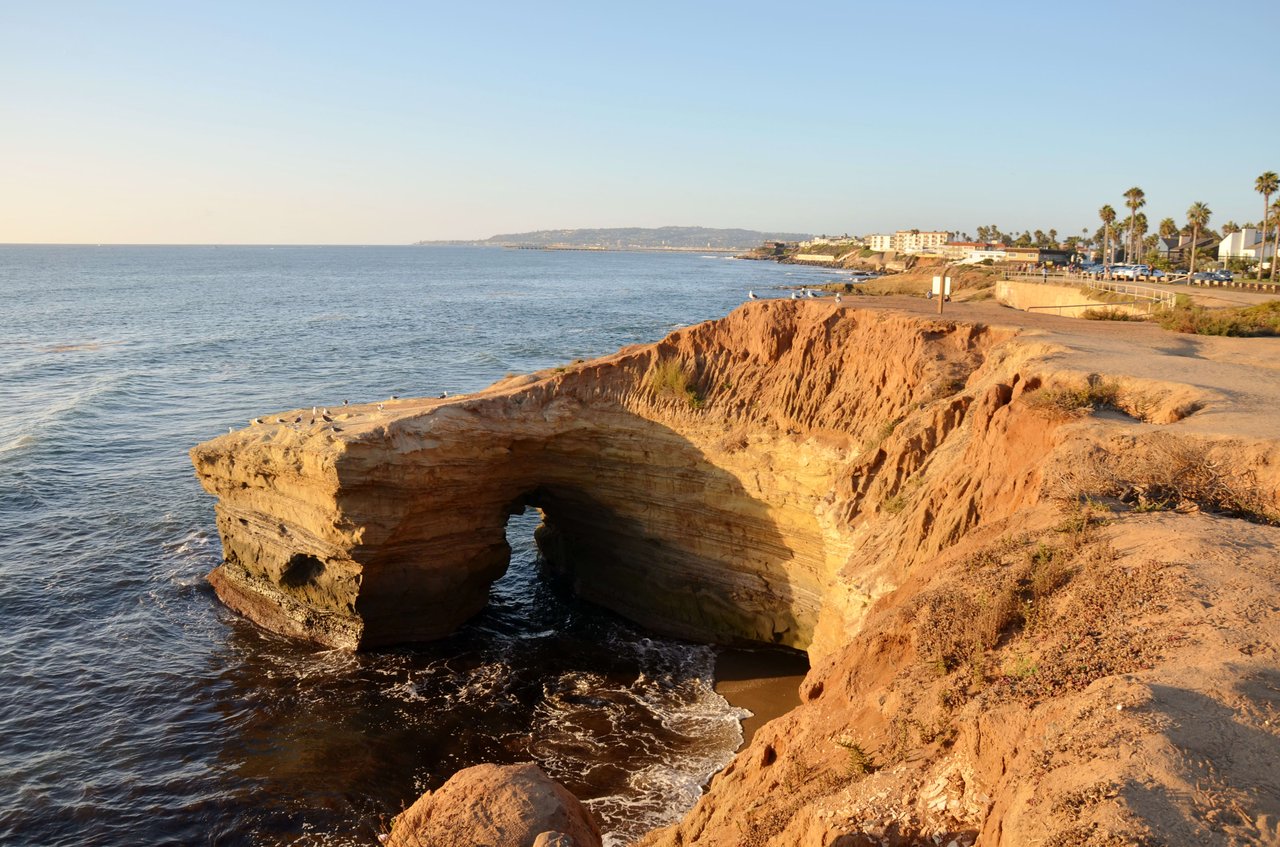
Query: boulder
[{"x": 496, "y": 806}]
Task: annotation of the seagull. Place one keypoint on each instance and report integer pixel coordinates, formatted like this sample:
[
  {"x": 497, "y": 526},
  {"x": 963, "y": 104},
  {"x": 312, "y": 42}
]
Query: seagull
[
  {"x": 395, "y": 396},
  {"x": 444, "y": 394},
  {"x": 281, "y": 420},
  {"x": 313, "y": 410},
  {"x": 809, "y": 293},
  {"x": 344, "y": 402},
  {"x": 752, "y": 295},
  {"x": 230, "y": 430},
  {"x": 795, "y": 295},
  {"x": 298, "y": 419},
  {"x": 379, "y": 407},
  {"x": 838, "y": 297},
  {"x": 337, "y": 429},
  {"x": 255, "y": 421},
  {"x": 327, "y": 419}
]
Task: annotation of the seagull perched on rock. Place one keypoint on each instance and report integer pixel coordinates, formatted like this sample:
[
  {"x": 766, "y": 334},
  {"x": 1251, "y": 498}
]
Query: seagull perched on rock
[
  {"x": 344, "y": 402},
  {"x": 395, "y": 396},
  {"x": 327, "y": 419},
  {"x": 808, "y": 292},
  {"x": 837, "y": 296},
  {"x": 379, "y": 407},
  {"x": 298, "y": 419},
  {"x": 281, "y": 420},
  {"x": 255, "y": 421},
  {"x": 444, "y": 394},
  {"x": 752, "y": 295},
  {"x": 337, "y": 429},
  {"x": 795, "y": 295}
]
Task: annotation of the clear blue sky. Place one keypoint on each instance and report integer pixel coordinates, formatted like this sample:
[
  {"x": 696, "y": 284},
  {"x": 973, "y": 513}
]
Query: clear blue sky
[{"x": 385, "y": 123}]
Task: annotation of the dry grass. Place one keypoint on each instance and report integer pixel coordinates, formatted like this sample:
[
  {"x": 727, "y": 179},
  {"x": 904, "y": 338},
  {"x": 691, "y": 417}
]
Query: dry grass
[
  {"x": 671, "y": 378},
  {"x": 1074, "y": 400},
  {"x": 1110, "y": 313},
  {"x": 1165, "y": 472},
  {"x": 1260, "y": 320},
  {"x": 1034, "y": 621}
]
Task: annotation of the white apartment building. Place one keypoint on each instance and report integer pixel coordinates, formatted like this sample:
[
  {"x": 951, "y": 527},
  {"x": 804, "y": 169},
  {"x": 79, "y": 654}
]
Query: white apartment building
[
  {"x": 1245, "y": 245},
  {"x": 879, "y": 243},
  {"x": 918, "y": 241}
]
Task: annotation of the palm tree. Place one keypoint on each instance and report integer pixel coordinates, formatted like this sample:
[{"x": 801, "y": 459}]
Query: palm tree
[
  {"x": 1229, "y": 228},
  {"x": 1108, "y": 216},
  {"x": 1139, "y": 230},
  {"x": 1135, "y": 199},
  {"x": 1197, "y": 216},
  {"x": 1266, "y": 185},
  {"x": 1275, "y": 249},
  {"x": 1168, "y": 228}
]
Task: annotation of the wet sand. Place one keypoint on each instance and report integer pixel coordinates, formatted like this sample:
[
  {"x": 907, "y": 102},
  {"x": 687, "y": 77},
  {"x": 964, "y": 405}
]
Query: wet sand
[{"x": 766, "y": 682}]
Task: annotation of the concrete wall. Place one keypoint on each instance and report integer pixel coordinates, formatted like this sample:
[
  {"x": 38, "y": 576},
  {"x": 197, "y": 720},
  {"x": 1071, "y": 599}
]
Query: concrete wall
[{"x": 1066, "y": 300}]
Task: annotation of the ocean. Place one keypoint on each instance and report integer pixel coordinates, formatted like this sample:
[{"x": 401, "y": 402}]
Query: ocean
[{"x": 135, "y": 709}]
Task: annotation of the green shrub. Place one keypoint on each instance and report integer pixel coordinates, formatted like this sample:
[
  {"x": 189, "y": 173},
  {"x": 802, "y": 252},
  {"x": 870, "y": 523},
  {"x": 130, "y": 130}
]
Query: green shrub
[
  {"x": 895, "y": 504},
  {"x": 1109, "y": 313},
  {"x": 859, "y": 763},
  {"x": 1249, "y": 321}
]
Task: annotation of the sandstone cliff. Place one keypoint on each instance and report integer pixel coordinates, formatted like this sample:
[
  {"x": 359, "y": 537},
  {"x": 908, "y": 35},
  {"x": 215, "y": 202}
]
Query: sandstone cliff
[{"x": 997, "y": 544}]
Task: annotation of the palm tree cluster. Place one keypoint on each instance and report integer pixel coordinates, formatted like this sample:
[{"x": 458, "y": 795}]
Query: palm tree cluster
[
  {"x": 1135, "y": 228},
  {"x": 1266, "y": 185}
]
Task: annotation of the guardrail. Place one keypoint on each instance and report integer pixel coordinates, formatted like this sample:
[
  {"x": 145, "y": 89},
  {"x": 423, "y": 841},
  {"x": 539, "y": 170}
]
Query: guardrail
[{"x": 1243, "y": 284}]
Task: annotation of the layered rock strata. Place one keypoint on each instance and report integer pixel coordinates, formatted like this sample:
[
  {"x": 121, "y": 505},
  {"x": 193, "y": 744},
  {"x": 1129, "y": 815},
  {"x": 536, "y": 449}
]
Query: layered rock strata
[
  {"x": 1033, "y": 566},
  {"x": 700, "y": 485}
]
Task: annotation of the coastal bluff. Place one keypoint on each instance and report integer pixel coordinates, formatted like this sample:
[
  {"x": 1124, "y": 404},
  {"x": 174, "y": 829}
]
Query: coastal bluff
[
  {"x": 728, "y": 483},
  {"x": 1032, "y": 559},
  {"x": 707, "y": 486}
]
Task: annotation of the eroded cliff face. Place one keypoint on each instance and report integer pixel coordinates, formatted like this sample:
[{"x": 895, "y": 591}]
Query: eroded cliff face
[
  {"x": 707, "y": 486},
  {"x": 988, "y": 539},
  {"x": 724, "y": 484}
]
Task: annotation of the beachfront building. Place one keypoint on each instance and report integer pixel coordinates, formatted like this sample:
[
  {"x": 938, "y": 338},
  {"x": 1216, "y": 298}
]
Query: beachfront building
[
  {"x": 879, "y": 243},
  {"x": 918, "y": 241},
  {"x": 970, "y": 251},
  {"x": 1245, "y": 244}
]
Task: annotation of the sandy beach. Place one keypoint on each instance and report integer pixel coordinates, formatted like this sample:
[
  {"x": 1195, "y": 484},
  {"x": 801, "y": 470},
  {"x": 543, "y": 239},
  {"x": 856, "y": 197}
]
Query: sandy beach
[{"x": 765, "y": 682}]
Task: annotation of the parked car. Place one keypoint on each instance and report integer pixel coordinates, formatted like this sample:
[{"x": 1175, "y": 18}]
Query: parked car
[
  {"x": 1204, "y": 276},
  {"x": 1223, "y": 276}
]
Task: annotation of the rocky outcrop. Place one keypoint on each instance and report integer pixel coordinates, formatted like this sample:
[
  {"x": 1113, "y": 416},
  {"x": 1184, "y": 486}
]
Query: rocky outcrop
[
  {"x": 700, "y": 485},
  {"x": 725, "y": 484},
  {"x": 511, "y": 806},
  {"x": 1003, "y": 549}
]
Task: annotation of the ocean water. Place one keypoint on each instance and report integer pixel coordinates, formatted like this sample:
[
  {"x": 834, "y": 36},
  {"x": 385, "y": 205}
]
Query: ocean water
[{"x": 135, "y": 709}]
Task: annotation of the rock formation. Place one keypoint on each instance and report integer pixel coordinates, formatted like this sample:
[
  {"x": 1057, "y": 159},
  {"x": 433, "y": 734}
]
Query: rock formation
[
  {"x": 998, "y": 544},
  {"x": 512, "y": 806},
  {"x": 700, "y": 485}
]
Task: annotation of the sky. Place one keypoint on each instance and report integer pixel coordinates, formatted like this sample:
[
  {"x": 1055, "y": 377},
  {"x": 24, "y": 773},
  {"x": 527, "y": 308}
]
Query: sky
[{"x": 386, "y": 123}]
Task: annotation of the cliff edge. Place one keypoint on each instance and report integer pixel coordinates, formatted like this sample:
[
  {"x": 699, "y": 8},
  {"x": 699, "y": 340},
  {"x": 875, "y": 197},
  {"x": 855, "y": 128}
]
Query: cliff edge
[{"x": 1032, "y": 562}]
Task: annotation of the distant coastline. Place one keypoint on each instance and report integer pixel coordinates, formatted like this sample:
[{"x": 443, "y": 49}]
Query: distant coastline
[{"x": 681, "y": 239}]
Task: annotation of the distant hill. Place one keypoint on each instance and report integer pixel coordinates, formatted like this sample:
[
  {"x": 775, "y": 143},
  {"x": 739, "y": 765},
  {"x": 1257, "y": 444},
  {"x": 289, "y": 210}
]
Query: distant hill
[{"x": 638, "y": 238}]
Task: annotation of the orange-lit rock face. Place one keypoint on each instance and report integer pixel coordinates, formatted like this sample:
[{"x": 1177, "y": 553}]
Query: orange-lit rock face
[{"x": 710, "y": 486}]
